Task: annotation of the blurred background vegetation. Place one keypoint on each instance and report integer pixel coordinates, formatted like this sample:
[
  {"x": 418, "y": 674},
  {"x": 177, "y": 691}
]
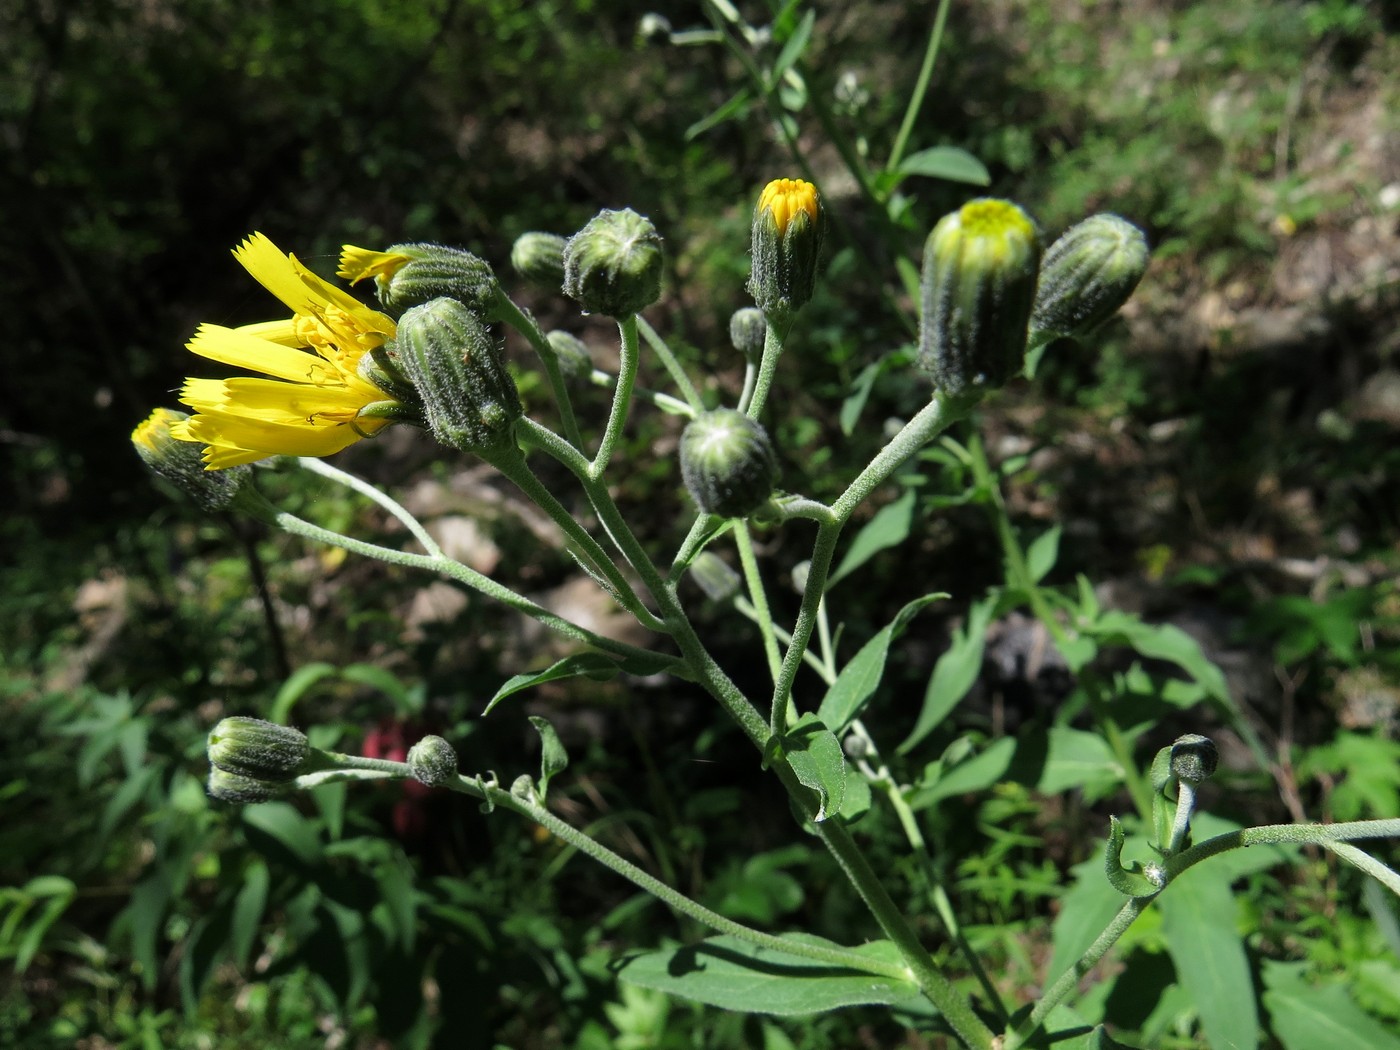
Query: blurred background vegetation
[{"x": 1225, "y": 459}]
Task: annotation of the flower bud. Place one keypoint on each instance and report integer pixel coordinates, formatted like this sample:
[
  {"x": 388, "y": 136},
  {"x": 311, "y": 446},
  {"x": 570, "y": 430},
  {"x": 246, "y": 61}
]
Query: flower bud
[
  {"x": 788, "y": 228},
  {"x": 572, "y": 352},
  {"x": 728, "y": 463},
  {"x": 407, "y": 275},
  {"x": 713, "y": 575},
  {"x": 182, "y": 463},
  {"x": 1088, "y": 274},
  {"x": 432, "y": 761},
  {"x": 1194, "y": 758},
  {"x": 613, "y": 265},
  {"x": 539, "y": 258},
  {"x": 251, "y": 747},
  {"x": 243, "y": 790},
  {"x": 747, "y": 331},
  {"x": 468, "y": 395},
  {"x": 979, "y": 278}
]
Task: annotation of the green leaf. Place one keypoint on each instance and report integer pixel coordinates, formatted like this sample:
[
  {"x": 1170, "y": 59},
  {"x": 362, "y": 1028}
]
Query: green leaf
[
  {"x": 597, "y": 666},
  {"x": 1042, "y": 553},
  {"x": 946, "y": 162},
  {"x": 1161, "y": 642},
  {"x": 406, "y": 700},
  {"x": 1198, "y": 921},
  {"x": 277, "y": 828},
  {"x": 295, "y": 687},
  {"x": 733, "y": 108},
  {"x": 816, "y": 758},
  {"x": 553, "y": 757},
  {"x": 975, "y": 774},
  {"x": 954, "y": 674},
  {"x": 888, "y": 528},
  {"x": 1079, "y": 759},
  {"x": 854, "y": 404},
  {"x": 1305, "y": 1016},
  {"x": 735, "y": 975},
  {"x": 248, "y": 909},
  {"x": 792, "y": 50},
  {"x": 858, "y": 680}
]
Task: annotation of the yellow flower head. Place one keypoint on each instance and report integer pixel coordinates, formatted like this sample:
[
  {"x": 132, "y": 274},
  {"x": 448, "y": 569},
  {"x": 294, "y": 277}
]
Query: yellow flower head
[
  {"x": 314, "y": 403},
  {"x": 786, "y": 199}
]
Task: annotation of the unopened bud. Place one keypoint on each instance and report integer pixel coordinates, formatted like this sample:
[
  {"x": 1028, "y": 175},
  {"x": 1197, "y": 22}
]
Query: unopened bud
[
  {"x": 747, "y": 331},
  {"x": 1194, "y": 758},
  {"x": 572, "y": 353},
  {"x": 432, "y": 761},
  {"x": 613, "y": 265},
  {"x": 789, "y": 226},
  {"x": 468, "y": 395},
  {"x": 539, "y": 258},
  {"x": 407, "y": 275},
  {"x": 728, "y": 463},
  {"x": 252, "y": 747},
  {"x": 1088, "y": 274},
  {"x": 713, "y": 575},
  {"x": 243, "y": 790},
  {"x": 979, "y": 278},
  {"x": 182, "y": 464}
]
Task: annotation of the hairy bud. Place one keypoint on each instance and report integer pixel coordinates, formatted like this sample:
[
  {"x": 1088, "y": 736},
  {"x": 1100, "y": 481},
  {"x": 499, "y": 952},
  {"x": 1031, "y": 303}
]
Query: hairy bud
[
  {"x": 789, "y": 226},
  {"x": 1088, "y": 274},
  {"x": 539, "y": 258},
  {"x": 181, "y": 462},
  {"x": 728, "y": 463},
  {"x": 613, "y": 265},
  {"x": 252, "y": 747},
  {"x": 432, "y": 761},
  {"x": 408, "y": 275},
  {"x": 469, "y": 398},
  {"x": 979, "y": 279}
]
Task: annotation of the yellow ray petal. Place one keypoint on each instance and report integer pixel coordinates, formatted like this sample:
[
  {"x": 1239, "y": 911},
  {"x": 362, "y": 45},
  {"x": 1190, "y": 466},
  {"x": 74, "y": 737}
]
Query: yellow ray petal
[
  {"x": 358, "y": 263},
  {"x": 232, "y": 346}
]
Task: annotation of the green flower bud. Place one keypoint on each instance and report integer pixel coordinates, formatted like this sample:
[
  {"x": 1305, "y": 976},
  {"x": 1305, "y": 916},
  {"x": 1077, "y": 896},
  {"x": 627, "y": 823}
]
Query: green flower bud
[
  {"x": 1194, "y": 758},
  {"x": 432, "y": 761},
  {"x": 1088, "y": 274},
  {"x": 243, "y": 790},
  {"x": 539, "y": 258},
  {"x": 572, "y": 352},
  {"x": 182, "y": 464},
  {"x": 788, "y": 228},
  {"x": 714, "y": 576},
  {"x": 747, "y": 331},
  {"x": 407, "y": 275},
  {"x": 380, "y": 366},
  {"x": 613, "y": 265},
  {"x": 979, "y": 278},
  {"x": 728, "y": 463},
  {"x": 468, "y": 395},
  {"x": 251, "y": 747}
]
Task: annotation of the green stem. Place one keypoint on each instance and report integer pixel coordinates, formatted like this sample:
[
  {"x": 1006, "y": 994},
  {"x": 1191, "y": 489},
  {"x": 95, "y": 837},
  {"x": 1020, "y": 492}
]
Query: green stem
[
  {"x": 464, "y": 574},
  {"x": 354, "y": 767},
  {"x": 1069, "y": 980},
  {"x": 702, "y": 531},
  {"x": 1325, "y": 835},
  {"x": 758, "y": 596},
  {"x": 916, "y": 97},
  {"x": 932, "y": 419},
  {"x": 364, "y": 488},
  {"x": 665, "y": 402},
  {"x": 673, "y": 367},
  {"x": 511, "y": 463},
  {"x": 954, "y": 1007},
  {"x": 767, "y": 369},
  {"x": 526, "y": 326},
  {"x": 622, "y": 397}
]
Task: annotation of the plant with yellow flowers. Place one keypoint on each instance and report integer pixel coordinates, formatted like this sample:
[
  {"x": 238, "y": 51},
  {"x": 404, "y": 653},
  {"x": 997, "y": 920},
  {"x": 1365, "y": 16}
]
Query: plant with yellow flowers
[{"x": 332, "y": 371}]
